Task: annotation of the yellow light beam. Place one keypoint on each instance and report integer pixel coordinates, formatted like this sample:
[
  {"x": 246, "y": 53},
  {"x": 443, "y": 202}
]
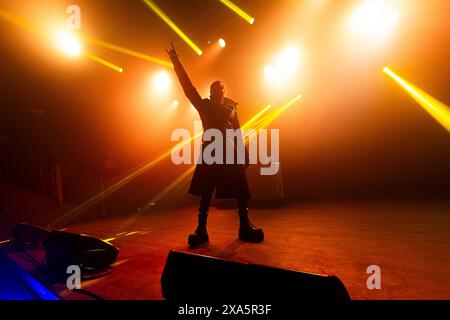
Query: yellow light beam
[
  {"x": 102, "y": 61},
  {"x": 255, "y": 117},
  {"x": 129, "y": 52},
  {"x": 124, "y": 234},
  {"x": 171, "y": 186},
  {"x": 266, "y": 120},
  {"x": 187, "y": 173},
  {"x": 438, "y": 110},
  {"x": 238, "y": 11},
  {"x": 173, "y": 26},
  {"x": 93, "y": 200}
]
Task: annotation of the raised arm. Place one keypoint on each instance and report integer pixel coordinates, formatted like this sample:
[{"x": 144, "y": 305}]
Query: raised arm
[{"x": 189, "y": 90}]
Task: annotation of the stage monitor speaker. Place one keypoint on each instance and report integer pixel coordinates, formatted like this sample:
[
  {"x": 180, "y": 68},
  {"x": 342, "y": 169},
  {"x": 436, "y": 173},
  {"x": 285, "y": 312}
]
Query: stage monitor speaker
[
  {"x": 63, "y": 249},
  {"x": 191, "y": 277},
  {"x": 26, "y": 236}
]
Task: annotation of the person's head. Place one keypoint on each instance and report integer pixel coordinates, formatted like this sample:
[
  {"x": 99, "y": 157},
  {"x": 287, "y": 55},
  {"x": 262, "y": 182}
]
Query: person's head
[{"x": 217, "y": 91}]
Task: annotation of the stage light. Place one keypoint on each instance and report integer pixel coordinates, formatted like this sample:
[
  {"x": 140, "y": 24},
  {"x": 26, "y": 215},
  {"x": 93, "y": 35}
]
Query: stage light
[
  {"x": 269, "y": 72},
  {"x": 68, "y": 43},
  {"x": 374, "y": 18},
  {"x": 244, "y": 15},
  {"x": 284, "y": 68},
  {"x": 439, "y": 111},
  {"x": 173, "y": 26},
  {"x": 175, "y": 103},
  {"x": 222, "y": 43},
  {"x": 288, "y": 59},
  {"x": 162, "y": 81}
]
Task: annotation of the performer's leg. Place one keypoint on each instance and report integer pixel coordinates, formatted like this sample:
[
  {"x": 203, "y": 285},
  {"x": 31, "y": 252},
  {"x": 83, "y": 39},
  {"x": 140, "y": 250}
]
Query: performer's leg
[
  {"x": 247, "y": 231},
  {"x": 201, "y": 234},
  {"x": 205, "y": 202}
]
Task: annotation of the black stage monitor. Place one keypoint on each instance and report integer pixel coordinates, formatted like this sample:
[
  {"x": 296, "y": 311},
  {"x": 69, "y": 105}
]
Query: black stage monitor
[{"x": 193, "y": 277}]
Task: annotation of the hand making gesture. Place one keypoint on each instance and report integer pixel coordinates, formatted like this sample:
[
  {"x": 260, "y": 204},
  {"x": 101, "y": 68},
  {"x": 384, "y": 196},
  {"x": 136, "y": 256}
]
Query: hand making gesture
[{"x": 172, "y": 52}]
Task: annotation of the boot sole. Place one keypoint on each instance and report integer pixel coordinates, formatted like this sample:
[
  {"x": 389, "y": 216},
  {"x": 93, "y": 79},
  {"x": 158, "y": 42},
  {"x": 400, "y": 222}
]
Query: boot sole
[
  {"x": 195, "y": 243},
  {"x": 252, "y": 240}
]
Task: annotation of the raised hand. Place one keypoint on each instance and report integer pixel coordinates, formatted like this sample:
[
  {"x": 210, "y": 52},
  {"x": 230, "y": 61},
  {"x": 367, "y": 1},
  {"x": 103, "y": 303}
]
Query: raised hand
[{"x": 172, "y": 52}]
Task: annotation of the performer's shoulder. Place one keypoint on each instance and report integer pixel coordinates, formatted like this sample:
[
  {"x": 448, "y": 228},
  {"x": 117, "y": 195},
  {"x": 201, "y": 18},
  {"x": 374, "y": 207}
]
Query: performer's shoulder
[{"x": 229, "y": 102}]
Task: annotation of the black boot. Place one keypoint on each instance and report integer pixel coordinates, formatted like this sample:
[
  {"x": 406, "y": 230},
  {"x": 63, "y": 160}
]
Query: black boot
[
  {"x": 247, "y": 231},
  {"x": 201, "y": 235}
]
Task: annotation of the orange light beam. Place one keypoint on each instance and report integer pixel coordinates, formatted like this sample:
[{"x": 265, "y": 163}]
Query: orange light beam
[
  {"x": 126, "y": 51},
  {"x": 102, "y": 61},
  {"x": 19, "y": 21}
]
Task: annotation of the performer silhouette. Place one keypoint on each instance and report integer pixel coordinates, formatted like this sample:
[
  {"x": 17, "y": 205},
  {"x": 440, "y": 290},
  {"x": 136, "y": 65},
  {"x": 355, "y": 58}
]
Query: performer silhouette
[{"x": 228, "y": 180}]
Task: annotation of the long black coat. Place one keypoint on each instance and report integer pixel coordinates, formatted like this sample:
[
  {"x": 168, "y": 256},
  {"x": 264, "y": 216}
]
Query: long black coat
[{"x": 229, "y": 180}]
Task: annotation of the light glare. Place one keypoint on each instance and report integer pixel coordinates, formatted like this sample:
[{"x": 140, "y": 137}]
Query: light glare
[
  {"x": 284, "y": 69},
  {"x": 175, "y": 103},
  {"x": 68, "y": 43},
  {"x": 161, "y": 82},
  {"x": 375, "y": 19}
]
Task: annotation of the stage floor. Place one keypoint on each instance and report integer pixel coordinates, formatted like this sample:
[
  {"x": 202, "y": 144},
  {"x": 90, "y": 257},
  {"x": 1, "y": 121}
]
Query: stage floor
[{"x": 409, "y": 242}]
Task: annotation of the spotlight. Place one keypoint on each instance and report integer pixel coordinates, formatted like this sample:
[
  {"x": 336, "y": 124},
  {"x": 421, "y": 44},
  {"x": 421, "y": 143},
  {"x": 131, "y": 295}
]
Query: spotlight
[
  {"x": 284, "y": 67},
  {"x": 222, "y": 43},
  {"x": 288, "y": 59},
  {"x": 68, "y": 43},
  {"x": 161, "y": 82},
  {"x": 269, "y": 72},
  {"x": 175, "y": 103},
  {"x": 374, "y": 18}
]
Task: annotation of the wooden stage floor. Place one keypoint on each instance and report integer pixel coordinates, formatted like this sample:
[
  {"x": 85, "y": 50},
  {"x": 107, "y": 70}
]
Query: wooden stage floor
[{"x": 409, "y": 242}]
